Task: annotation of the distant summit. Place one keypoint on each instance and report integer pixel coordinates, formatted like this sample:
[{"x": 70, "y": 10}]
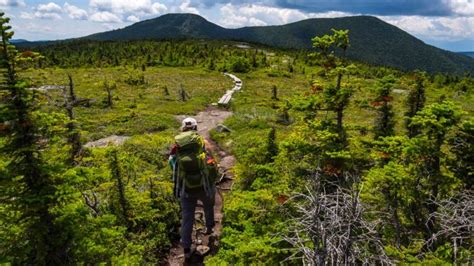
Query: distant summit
[
  {"x": 470, "y": 54},
  {"x": 372, "y": 40},
  {"x": 15, "y": 41},
  {"x": 169, "y": 26}
]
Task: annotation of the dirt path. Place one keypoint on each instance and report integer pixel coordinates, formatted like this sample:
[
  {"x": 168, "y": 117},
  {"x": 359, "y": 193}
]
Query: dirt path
[{"x": 207, "y": 245}]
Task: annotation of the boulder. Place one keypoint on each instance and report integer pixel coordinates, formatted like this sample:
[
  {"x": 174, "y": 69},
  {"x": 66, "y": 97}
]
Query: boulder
[{"x": 222, "y": 128}]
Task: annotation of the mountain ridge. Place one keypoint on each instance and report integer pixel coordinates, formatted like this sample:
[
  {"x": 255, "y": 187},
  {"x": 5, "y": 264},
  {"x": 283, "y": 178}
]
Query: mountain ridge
[
  {"x": 372, "y": 40},
  {"x": 467, "y": 53}
]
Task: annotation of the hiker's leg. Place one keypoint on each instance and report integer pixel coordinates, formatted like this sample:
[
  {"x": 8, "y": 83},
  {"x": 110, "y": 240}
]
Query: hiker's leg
[
  {"x": 188, "y": 206},
  {"x": 208, "y": 204}
]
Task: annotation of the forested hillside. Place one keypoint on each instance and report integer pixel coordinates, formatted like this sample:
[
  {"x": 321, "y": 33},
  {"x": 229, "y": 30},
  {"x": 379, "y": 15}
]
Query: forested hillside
[
  {"x": 471, "y": 54},
  {"x": 338, "y": 162},
  {"x": 374, "y": 41}
]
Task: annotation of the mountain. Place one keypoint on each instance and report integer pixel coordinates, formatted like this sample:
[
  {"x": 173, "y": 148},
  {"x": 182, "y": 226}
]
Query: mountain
[
  {"x": 470, "y": 54},
  {"x": 15, "y": 41},
  {"x": 169, "y": 26},
  {"x": 372, "y": 40}
]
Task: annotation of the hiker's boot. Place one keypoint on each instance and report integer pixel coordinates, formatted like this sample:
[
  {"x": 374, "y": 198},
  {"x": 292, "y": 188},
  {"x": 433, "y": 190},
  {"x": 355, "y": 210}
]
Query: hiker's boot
[{"x": 187, "y": 253}]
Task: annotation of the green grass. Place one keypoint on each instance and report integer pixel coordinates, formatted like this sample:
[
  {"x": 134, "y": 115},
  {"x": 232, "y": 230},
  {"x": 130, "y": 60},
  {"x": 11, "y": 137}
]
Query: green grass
[{"x": 137, "y": 109}]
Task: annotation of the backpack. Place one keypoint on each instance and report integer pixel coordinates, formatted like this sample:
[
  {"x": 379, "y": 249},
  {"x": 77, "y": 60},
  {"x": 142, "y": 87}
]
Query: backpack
[{"x": 192, "y": 171}]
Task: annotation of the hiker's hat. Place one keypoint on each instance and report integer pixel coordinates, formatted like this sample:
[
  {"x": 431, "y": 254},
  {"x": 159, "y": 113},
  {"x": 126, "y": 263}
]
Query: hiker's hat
[{"x": 189, "y": 123}]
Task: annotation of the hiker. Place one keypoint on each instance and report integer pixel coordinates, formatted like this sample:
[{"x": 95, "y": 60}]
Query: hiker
[{"x": 194, "y": 174}]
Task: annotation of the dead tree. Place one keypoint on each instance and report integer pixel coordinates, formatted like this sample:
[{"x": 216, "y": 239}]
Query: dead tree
[
  {"x": 183, "y": 94},
  {"x": 92, "y": 202},
  {"x": 331, "y": 230},
  {"x": 109, "y": 88},
  {"x": 456, "y": 222},
  {"x": 166, "y": 91},
  {"x": 274, "y": 93},
  {"x": 72, "y": 94},
  {"x": 74, "y": 137}
]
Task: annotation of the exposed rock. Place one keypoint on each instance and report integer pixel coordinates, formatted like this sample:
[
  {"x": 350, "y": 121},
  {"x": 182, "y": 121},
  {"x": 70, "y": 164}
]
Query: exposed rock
[
  {"x": 222, "y": 128},
  {"x": 400, "y": 91},
  {"x": 113, "y": 140},
  {"x": 48, "y": 87}
]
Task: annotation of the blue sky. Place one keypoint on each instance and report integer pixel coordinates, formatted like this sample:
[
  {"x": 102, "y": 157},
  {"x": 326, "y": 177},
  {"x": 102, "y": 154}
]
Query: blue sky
[{"x": 448, "y": 24}]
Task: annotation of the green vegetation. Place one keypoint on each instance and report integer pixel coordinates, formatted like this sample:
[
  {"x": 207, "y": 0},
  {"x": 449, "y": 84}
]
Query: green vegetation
[
  {"x": 372, "y": 158},
  {"x": 373, "y": 41}
]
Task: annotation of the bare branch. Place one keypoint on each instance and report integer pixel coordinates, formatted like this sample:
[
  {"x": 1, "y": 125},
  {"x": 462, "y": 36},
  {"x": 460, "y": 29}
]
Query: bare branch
[
  {"x": 331, "y": 229},
  {"x": 456, "y": 221}
]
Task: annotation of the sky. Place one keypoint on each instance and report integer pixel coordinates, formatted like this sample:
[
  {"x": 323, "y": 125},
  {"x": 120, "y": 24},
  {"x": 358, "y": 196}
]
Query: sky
[{"x": 447, "y": 24}]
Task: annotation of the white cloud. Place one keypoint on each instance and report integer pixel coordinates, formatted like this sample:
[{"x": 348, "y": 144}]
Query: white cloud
[
  {"x": 186, "y": 7},
  {"x": 26, "y": 15},
  {"x": 105, "y": 17},
  {"x": 49, "y": 8},
  {"x": 435, "y": 28},
  {"x": 259, "y": 15},
  {"x": 46, "y": 15},
  {"x": 137, "y": 7},
  {"x": 35, "y": 28},
  {"x": 75, "y": 12},
  {"x": 158, "y": 8},
  {"x": 44, "y": 11},
  {"x": 331, "y": 14},
  {"x": 462, "y": 7},
  {"x": 133, "y": 18},
  {"x": 12, "y": 3},
  {"x": 438, "y": 28}
]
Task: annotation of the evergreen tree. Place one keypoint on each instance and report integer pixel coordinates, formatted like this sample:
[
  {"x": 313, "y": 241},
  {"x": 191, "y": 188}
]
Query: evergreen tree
[
  {"x": 462, "y": 146},
  {"x": 119, "y": 183},
  {"x": 28, "y": 190},
  {"x": 109, "y": 88},
  {"x": 435, "y": 121},
  {"x": 274, "y": 93},
  {"x": 415, "y": 102},
  {"x": 166, "y": 91},
  {"x": 384, "y": 121},
  {"x": 184, "y": 96},
  {"x": 272, "y": 147},
  {"x": 335, "y": 98}
]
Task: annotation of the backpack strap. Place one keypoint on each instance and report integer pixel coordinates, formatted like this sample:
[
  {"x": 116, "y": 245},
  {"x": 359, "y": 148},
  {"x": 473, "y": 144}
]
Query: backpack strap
[{"x": 176, "y": 180}]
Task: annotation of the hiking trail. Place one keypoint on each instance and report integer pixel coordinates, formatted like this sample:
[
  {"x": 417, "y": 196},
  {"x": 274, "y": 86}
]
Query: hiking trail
[{"x": 207, "y": 245}]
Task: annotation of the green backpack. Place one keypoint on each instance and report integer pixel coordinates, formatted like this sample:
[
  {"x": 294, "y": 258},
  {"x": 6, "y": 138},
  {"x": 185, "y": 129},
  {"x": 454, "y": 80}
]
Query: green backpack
[{"x": 191, "y": 160}]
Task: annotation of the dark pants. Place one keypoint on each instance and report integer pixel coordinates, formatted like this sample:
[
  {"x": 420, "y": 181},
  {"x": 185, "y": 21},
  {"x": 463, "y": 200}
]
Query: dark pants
[{"x": 188, "y": 207}]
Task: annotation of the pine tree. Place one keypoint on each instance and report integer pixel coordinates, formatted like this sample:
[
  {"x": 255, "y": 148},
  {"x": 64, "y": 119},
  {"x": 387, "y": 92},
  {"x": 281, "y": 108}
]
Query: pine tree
[
  {"x": 28, "y": 190},
  {"x": 109, "y": 88},
  {"x": 166, "y": 91},
  {"x": 415, "y": 103},
  {"x": 336, "y": 98},
  {"x": 117, "y": 176},
  {"x": 184, "y": 96},
  {"x": 462, "y": 146},
  {"x": 274, "y": 93},
  {"x": 272, "y": 147},
  {"x": 435, "y": 121},
  {"x": 384, "y": 122}
]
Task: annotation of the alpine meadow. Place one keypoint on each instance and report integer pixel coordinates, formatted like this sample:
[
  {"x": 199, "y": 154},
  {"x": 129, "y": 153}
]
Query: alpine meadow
[{"x": 336, "y": 141}]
